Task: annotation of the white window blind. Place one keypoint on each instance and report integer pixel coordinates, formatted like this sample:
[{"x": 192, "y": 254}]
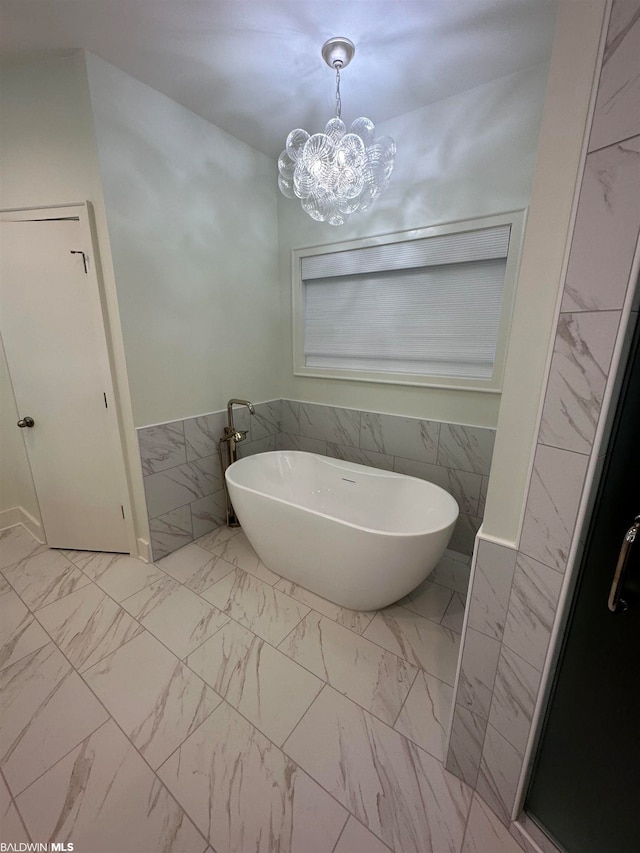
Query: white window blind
[{"x": 429, "y": 306}]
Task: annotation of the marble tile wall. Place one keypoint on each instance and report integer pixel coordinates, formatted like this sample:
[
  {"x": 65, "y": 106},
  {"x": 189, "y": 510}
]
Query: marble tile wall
[
  {"x": 453, "y": 456},
  {"x": 514, "y": 596},
  {"x": 183, "y": 477}
]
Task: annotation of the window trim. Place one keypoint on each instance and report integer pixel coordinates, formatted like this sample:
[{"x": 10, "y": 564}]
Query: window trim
[{"x": 515, "y": 218}]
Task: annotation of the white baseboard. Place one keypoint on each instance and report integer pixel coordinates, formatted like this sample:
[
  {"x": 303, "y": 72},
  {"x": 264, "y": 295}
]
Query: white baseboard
[
  {"x": 16, "y": 515},
  {"x": 144, "y": 550}
]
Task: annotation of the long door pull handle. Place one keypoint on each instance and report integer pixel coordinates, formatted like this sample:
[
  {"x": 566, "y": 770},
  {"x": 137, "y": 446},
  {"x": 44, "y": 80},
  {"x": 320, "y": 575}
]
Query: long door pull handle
[{"x": 616, "y": 604}]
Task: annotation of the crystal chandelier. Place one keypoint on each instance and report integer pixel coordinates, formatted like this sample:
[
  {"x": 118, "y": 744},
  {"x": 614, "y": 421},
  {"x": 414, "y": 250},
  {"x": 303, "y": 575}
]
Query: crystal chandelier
[{"x": 336, "y": 173}]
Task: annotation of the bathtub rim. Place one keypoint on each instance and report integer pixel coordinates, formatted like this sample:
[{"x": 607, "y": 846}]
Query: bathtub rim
[{"x": 353, "y": 466}]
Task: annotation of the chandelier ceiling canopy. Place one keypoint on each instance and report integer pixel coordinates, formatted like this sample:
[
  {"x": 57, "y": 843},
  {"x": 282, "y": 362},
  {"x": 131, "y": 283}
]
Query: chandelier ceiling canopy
[{"x": 337, "y": 172}]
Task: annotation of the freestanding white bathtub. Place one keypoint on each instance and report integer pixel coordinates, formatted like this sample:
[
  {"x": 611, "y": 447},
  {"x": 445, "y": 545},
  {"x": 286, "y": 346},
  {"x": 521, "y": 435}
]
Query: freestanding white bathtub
[{"x": 359, "y": 536}]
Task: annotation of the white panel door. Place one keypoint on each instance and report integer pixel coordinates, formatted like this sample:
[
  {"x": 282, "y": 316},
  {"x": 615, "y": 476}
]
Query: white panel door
[{"x": 53, "y": 330}]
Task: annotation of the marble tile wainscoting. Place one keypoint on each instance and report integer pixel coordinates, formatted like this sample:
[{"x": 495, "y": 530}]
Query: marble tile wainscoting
[
  {"x": 515, "y": 592},
  {"x": 453, "y": 456},
  {"x": 182, "y": 473},
  {"x": 183, "y": 478}
]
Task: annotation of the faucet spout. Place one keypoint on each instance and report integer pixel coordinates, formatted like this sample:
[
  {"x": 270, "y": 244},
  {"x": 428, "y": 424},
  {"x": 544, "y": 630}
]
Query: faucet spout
[
  {"x": 230, "y": 427},
  {"x": 235, "y": 402}
]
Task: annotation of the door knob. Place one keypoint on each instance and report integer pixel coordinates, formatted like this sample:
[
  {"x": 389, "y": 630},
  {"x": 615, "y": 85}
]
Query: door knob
[{"x": 26, "y": 422}]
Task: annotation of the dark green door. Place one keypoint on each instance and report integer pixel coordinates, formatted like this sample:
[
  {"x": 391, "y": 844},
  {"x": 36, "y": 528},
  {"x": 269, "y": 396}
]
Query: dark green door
[{"x": 585, "y": 789}]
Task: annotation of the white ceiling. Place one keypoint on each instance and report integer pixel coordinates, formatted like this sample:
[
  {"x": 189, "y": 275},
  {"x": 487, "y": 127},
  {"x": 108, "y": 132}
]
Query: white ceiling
[{"x": 253, "y": 67}]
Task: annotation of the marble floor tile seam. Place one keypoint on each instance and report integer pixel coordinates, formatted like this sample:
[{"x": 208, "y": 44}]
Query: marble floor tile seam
[
  {"x": 110, "y": 718},
  {"x": 410, "y": 740},
  {"x": 337, "y": 844},
  {"x": 16, "y": 636},
  {"x": 252, "y": 724},
  {"x": 163, "y": 644},
  {"x": 306, "y": 669},
  {"x": 444, "y": 586},
  {"x": 417, "y": 616},
  {"x": 32, "y": 554},
  {"x": 435, "y": 621},
  {"x": 262, "y": 640},
  {"x": 15, "y": 794},
  {"x": 146, "y": 586},
  {"x": 113, "y": 721},
  {"x": 208, "y": 603},
  {"x": 404, "y": 702},
  {"x": 233, "y": 566},
  {"x": 275, "y": 746},
  {"x": 298, "y": 766},
  {"x": 74, "y": 669},
  {"x": 395, "y": 732},
  {"x": 337, "y": 689},
  {"x": 179, "y": 583},
  {"x": 116, "y": 555},
  {"x": 33, "y": 614},
  {"x": 33, "y": 611},
  {"x": 57, "y": 645},
  {"x": 414, "y": 615},
  {"x": 12, "y": 801},
  {"x": 297, "y": 605},
  {"x": 102, "y": 659},
  {"x": 26, "y": 604},
  {"x": 466, "y": 825},
  {"x": 92, "y": 582},
  {"x": 312, "y": 609}
]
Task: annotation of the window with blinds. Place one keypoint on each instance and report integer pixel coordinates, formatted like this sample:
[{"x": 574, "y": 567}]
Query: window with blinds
[{"x": 424, "y": 310}]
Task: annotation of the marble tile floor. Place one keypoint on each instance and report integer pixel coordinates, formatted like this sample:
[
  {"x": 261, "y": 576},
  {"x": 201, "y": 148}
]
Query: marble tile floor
[{"x": 206, "y": 705}]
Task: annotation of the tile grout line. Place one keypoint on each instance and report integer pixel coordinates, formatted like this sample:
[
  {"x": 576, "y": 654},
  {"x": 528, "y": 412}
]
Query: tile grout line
[
  {"x": 222, "y": 698},
  {"x": 144, "y": 628},
  {"x": 466, "y": 823},
  {"x": 296, "y": 601},
  {"x": 405, "y": 739},
  {"x": 72, "y": 669},
  {"x": 335, "y": 846},
  {"x": 612, "y": 145},
  {"x": 119, "y": 604},
  {"x": 272, "y": 742},
  {"x": 493, "y": 684},
  {"x": 404, "y": 702},
  {"x": 12, "y": 801},
  {"x": 413, "y": 663},
  {"x": 373, "y": 642},
  {"x": 111, "y": 718},
  {"x": 289, "y": 758}
]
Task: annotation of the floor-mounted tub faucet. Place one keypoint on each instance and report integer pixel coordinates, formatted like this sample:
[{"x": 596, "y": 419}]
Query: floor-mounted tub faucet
[{"x": 231, "y": 438}]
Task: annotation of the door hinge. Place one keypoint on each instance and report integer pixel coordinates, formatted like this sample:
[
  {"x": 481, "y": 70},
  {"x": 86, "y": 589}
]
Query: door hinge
[
  {"x": 106, "y": 405},
  {"x": 122, "y": 508}
]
